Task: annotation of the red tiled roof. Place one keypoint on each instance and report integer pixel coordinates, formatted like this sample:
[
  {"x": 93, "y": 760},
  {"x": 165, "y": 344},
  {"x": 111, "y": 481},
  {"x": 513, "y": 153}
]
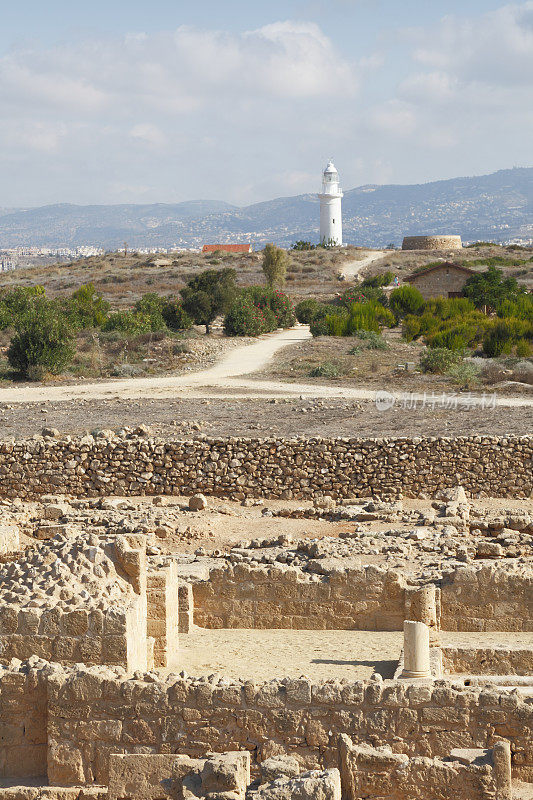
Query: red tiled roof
[{"x": 227, "y": 248}]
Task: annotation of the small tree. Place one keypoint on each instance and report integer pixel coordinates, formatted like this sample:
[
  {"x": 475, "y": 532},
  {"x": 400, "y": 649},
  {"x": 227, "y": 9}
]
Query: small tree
[
  {"x": 86, "y": 308},
  {"x": 275, "y": 263},
  {"x": 209, "y": 294},
  {"x": 43, "y": 341},
  {"x": 490, "y": 288}
]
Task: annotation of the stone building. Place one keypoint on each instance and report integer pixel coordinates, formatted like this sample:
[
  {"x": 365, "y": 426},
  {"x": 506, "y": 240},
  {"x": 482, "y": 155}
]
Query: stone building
[
  {"x": 437, "y": 242},
  {"x": 443, "y": 280}
]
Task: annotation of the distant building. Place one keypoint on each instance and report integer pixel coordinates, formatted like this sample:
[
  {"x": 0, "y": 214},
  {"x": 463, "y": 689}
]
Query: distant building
[
  {"x": 330, "y": 207},
  {"x": 442, "y": 280},
  {"x": 437, "y": 242},
  {"x": 227, "y": 248}
]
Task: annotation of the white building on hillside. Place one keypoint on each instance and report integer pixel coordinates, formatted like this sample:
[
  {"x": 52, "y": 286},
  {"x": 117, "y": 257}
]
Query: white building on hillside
[{"x": 330, "y": 207}]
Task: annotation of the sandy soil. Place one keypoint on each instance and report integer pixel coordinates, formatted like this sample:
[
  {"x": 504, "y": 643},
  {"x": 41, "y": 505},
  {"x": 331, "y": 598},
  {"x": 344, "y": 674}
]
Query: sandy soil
[
  {"x": 260, "y": 655},
  {"x": 353, "y": 268}
]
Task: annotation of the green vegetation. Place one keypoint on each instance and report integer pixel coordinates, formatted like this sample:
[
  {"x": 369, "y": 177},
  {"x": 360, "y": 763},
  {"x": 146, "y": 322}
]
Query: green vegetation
[
  {"x": 43, "y": 341},
  {"x": 275, "y": 264},
  {"x": 328, "y": 369},
  {"x": 438, "y": 360},
  {"x": 490, "y": 288},
  {"x": 376, "y": 281},
  {"x": 209, "y": 294},
  {"x": 259, "y": 310},
  {"x": 303, "y": 245},
  {"x": 405, "y": 300},
  {"x": 368, "y": 340}
]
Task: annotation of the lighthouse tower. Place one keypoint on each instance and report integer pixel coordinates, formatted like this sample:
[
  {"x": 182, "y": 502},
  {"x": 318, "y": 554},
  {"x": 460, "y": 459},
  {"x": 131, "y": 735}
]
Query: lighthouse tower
[{"x": 330, "y": 207}]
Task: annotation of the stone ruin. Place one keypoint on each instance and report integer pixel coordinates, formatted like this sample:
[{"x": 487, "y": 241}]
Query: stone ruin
[{"x": 94, "y": 700}]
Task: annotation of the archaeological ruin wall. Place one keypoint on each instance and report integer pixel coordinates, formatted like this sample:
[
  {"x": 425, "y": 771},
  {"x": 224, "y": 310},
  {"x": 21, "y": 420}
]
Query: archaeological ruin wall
[
  {"x": 78, "y": 717},
  {"x": 276, "y": 468}
]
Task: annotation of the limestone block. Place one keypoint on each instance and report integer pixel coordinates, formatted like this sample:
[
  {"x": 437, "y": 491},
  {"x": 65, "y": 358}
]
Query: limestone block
[
  {"x": 146, "y": 776},
  {"x": 278, "y": 766},
  {"x": 226, "y": 772},
  {"x": 313, "y": 785}
]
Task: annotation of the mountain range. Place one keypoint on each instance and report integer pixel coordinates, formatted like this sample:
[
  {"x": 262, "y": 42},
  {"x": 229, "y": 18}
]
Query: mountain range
[{"x": 495, "y": 207}]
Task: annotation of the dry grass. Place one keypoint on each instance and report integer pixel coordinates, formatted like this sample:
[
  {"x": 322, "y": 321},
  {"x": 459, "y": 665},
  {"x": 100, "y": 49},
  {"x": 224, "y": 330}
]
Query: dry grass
[{"x": 123, "y": 279}]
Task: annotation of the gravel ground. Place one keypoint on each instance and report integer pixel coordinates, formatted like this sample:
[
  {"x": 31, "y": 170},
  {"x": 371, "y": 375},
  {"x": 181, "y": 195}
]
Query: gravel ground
[{"x": 257, "y": 417}]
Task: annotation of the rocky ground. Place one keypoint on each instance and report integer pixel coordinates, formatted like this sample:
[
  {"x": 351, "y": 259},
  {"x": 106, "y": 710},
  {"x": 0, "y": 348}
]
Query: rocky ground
[{"x": 186, "y": 418}]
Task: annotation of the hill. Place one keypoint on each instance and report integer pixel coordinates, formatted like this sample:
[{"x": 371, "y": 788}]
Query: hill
[{"x": 496, "y": 207}]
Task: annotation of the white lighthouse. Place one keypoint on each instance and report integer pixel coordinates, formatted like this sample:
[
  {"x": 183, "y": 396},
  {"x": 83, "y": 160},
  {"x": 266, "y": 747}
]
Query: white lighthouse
[{"x": 330, "y": 207}]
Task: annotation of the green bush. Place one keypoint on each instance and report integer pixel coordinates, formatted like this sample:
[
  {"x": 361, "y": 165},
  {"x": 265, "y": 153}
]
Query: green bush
[
  {"x": 405, "y": 300},
  {"x": 371, "y": 340},
  {"x": 275, "y": 301},
  {"x": 128, "y": 322},
  {"x": 376, "y": 281},
  {"x": 85, "y": 308},
  {"x": 464, "y": 374},
  {"x": 319, "y": 326},
  {"x": 303, "y": 245},
  {"x": 490, "y": 288},
  {"x": 175, "y": 316},
  {"x": 503, "y": 333},
  {"x": 306, "y": 310},
  {"x": 275, "y": 263},
  {"x": 151, "y": 305},
  {"x": 439, "y": 360},
  {"x": 43, "y": 341},
  {"x": 328, "y": 369},
  {"x": 209, "y": 294},
  {"x": 14, "y": 302},
  {"x": 245, "y": 319},
  {"x": 523, "y": 348}
]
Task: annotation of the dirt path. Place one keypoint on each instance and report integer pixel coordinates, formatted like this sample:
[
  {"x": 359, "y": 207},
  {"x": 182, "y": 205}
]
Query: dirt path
[
  {"x": 352, "y": 268},
  {"x": 223, "y": 380}
]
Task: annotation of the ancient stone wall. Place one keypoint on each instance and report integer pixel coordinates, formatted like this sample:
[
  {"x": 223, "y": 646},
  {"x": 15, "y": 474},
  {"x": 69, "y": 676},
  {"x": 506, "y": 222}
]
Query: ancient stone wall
[
  {"x": 285, "y": 468},
  {"x": 432, "y": 243},
  {"x": 89, "y": 636},
  {"x": 23, "y": 723},
  {"x": 162, "y": 614},
  {"x": 440, "y": 282},
  {"x": 375, "y": 773},
  {"x": 487, "y": 598},
  {"x": 242, "y": 596},
  {"x": 92, "y": 715},
  {"x": 506, "y": 660},
  {"x": 9, "y": 539}
]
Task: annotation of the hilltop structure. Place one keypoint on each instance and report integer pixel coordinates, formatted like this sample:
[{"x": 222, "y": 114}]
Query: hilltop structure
[{"x": 330, "y": 206}]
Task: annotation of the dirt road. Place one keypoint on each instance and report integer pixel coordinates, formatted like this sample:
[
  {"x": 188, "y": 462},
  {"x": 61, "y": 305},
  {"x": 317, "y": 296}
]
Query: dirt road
[
  {"x": 352, "y": 268},
  {"x": 227, "y": 379}
]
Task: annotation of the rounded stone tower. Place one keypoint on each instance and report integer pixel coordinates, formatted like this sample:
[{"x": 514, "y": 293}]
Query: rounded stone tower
[{"x": 330, "y": 207}]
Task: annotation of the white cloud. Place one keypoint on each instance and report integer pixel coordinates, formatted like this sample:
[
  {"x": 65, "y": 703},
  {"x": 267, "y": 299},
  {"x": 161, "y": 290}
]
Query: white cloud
[{"x": 151, "y": 134}]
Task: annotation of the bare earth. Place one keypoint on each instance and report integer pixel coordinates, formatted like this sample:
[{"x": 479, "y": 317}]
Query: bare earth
[{"x": 259, "y": 655}]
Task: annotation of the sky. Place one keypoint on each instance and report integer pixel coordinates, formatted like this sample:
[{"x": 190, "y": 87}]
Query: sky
[{"x": 167, "y": 101}]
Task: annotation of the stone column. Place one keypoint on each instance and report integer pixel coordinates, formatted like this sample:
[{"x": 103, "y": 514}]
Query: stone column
[
  {"x": 415, "y": 650},
  {"x": 501, "y": 759}
]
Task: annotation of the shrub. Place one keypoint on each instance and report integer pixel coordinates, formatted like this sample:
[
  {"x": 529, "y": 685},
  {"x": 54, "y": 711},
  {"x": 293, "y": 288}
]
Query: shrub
[
  {"x": 151, "y": 305},
  {"x": 175, "y": 316},
  {"x": 405, "y": 300},
  {"x": 523, "y": 348},
  {"x": 43, "y": 341},
  {"x": 306, "y": 310},
  {"x": 319, "y": 326},
  {"x": 490, "y": 288},
  {"x": 245, "y": 319},
  {"x": 86, "y": 308},
  {"x": 128, "y": 322},
  {"x": 303, "y": 245},
  {"x": 328, "y": 369},
  {"x": 371, "y": 340},
  {"x": 277, "y": 302},
  {"x": 209, "y": 294},
  {"x": 439, "y": 360},
  {"x": 275, "y": 263},
  {"x": 465, "y": 374},
  {"x": 381, "y": 279},
  {"x": 502, "y": 334},
  {"x": 14, "y": 302}
]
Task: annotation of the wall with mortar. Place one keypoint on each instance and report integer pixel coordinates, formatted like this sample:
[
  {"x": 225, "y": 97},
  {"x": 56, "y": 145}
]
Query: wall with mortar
[
  {"x": 242, "y": 596},
  {"x": 472, "y": 598},
  {"x": 236, "y": 468},
  {"x": 447, "y": 242},
  {"x": 91, "y": 716},
  {"x": 89, "y": 636},
  {"x": 487, "y": 598}
]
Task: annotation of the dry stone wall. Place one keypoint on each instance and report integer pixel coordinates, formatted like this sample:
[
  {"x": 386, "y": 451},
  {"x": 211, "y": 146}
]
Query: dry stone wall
[{"x": 283, "y": 468}]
